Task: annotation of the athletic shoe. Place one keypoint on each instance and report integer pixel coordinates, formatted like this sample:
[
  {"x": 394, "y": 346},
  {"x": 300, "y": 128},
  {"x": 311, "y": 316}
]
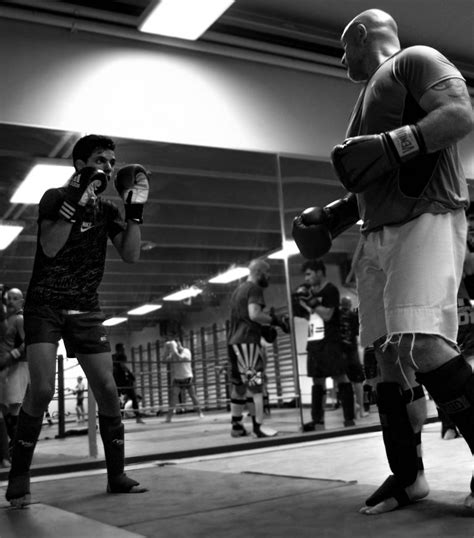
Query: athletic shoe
[{"x": 238, "y": 430}]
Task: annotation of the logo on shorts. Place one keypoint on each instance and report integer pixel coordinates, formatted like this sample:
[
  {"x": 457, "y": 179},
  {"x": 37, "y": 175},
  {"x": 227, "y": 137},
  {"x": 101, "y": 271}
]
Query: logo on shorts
[{"x": 103, "y": 338}]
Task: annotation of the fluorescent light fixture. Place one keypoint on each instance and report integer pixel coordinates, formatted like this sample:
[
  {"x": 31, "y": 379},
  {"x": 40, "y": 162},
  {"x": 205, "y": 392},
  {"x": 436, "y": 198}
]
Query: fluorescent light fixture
[
  {"x": 229, "y": 276},
  {"x": 144, "y": 309},
  {"x": 184, "y": 19},
  {"x": 183, "y": 294},
  {"x": 289, "y": 249},
  {"x": 113, "y": 321},
  {"x": 39, "y": 179},
  {"x": 9, "y": 230}
]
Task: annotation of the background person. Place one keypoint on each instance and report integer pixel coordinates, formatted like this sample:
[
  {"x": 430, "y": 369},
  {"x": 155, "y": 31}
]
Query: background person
[
  {"x": 247, "y": 362},
  {"x": 179, "y": 358}
]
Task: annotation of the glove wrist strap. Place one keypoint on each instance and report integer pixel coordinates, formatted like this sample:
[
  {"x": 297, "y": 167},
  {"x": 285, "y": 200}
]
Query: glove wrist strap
[
  {"x": 134, "y": 212},
  {"x": 70, "y": 211},
  {"x": 407, "y": 141}
]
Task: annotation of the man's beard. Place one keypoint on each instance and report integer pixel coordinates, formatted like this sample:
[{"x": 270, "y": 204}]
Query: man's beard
[{"x": 263, "y": 282}]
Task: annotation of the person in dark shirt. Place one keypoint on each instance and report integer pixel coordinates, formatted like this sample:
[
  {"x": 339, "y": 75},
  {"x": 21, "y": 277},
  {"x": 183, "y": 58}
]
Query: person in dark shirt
[
  {"x": 74, "y": 225},
  {"x": 324, "y": 345},
  {"x": 248, "y": 321},
  {"x": 125, "y": 380},
  {"x": 349, "y": 326}
]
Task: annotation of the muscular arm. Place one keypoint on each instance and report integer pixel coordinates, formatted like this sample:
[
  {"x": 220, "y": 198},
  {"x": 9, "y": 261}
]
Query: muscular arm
[
  {"x": 127, "y": 242},
  {"x": 54, "y": 235},
  {"x": 449, "y": 114},
  {"x": 324, "y": 312},
  {"x": 257, "y": 315}
]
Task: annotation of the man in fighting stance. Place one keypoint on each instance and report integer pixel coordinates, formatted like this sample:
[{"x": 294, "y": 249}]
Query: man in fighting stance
[
  {"x": 74, "y": 225},
  {"x": 401, "y": 162},
  {"x": 248, "y": 323}
]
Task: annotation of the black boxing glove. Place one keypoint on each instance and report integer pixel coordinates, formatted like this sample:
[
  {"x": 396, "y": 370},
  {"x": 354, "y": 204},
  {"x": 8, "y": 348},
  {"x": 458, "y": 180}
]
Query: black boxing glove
[
  {"x": 361, "y": 160},
  {"x": 269, "y": 333},
  {"x": 279, "y": 321},
  {"x": 80, "y": 190},
  {"x": 132, "y": 184},
  {"x": 316, "y": 227}
]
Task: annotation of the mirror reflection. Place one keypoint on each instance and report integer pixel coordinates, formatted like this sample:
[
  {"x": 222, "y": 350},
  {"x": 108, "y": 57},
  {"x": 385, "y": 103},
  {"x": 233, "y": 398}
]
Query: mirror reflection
[{"x": 209, "y": 211}]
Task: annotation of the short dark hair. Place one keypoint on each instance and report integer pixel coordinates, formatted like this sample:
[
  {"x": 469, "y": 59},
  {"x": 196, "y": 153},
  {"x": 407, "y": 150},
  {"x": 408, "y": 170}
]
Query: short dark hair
[
  {"x": 314, "y": 265},
  {"x": 119, "y": 346},
  {"x": 470, "y": 210},
  {"x": 86, "y": 146}
]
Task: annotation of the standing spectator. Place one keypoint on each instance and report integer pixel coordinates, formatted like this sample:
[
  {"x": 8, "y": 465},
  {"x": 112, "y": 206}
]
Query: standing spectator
[
  {"x": 179, "y": 358},
  {"x": 125, "y": 379},
  {"x": 15, "y": 377},
  {"x": 247, "y": 362},
  {"x": 79, "y": 391},
  {"x": 324, "y": 345},
  {"x": 349, "y": 324},
  {"x": 75, "y": 225}
]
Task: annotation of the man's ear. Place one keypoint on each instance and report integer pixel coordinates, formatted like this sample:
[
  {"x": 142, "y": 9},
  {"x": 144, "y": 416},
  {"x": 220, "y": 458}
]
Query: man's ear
[
  {"x": 79, "y": 164},
  {"x": 362, "y": 32}
]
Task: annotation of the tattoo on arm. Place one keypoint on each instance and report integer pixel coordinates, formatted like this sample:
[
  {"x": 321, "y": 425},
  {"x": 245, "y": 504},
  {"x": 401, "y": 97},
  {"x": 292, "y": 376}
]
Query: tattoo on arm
[{"x": 454, "y": 87}]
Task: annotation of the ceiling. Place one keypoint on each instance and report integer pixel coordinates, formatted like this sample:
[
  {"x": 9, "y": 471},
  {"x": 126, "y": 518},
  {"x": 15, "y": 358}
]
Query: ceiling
[{"x": 212, "y": 208}]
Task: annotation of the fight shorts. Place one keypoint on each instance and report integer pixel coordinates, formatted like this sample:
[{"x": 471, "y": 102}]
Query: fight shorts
[
  {"x": 83, "y": 332},
  {"x": 408, "y": 277},
  {"x": 324, "y": 359},
  {"x": 247, "y": 367}
]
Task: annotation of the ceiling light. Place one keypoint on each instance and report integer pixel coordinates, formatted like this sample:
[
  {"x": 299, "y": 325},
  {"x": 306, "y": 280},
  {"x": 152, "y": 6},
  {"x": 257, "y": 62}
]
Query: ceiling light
[
  {"x": 9, "y": 230},
  {"x": 113, "y": 321},
  {"x": 184, "y": 19},
  {"x": 229, "y": 276},
  {"x": 183, "y": 294},
  {"x": 289, "y": 249},
  {"x": 39, "y": 179},
  {"x": 144, "y": 309}
]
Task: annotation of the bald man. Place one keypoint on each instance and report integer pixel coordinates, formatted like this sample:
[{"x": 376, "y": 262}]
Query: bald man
[
  {"x": 247, "y": 363},
  {"x": 401, "y": 161},
  {"x": 14, "y": 375}
]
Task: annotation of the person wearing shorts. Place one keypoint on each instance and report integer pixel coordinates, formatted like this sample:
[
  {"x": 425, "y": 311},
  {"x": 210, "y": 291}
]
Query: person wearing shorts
[
  {"x": 14, "y": 376},
  {"x": 182, "y": 376},
  {"x": 349, "y": 327},
  {"x": 401, "y": 161},
  {"x": 324, "y": 345},
  {"x": 246, "y": 359},
  {"x": 74, "y": 226}
]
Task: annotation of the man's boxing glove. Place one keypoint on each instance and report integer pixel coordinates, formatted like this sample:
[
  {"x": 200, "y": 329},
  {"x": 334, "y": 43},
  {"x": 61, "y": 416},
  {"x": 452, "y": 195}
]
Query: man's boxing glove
[
  {"x": 269, "y": 333},
  {"x": 361, "y": 160},
  {"x": 315, "y": 228},
  {"x": 132, "y": 184},
  {"x": 80, "y": 190},
  {"x": 279, "y": 321}
]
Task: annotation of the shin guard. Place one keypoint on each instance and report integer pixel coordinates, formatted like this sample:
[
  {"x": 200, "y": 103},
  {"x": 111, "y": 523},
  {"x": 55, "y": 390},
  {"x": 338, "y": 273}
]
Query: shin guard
[
  {"x": 27, "y": 433},
  {"x": 112, "y": 433},
  {"x": 346, "y": 395},
  {"x": 317, "y": 404},
  {"x": 452, "y": 388},
  {"x": 401, "y": 444}
]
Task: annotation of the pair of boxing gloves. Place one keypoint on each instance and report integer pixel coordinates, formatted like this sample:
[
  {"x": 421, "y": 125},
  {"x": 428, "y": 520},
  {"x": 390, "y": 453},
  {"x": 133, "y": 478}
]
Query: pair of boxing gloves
[
  {"x": 131, "y": 183},
  {"x": 359, "y": 162}
]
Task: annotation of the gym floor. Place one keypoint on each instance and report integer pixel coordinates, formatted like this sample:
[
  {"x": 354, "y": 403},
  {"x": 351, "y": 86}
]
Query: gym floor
[{"x": 204, "y": 483}]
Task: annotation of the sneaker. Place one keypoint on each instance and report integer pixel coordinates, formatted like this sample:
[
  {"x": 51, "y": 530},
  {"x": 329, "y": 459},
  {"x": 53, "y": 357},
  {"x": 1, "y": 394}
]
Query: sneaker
[
  {"x": 238, "y": 430},
  {"x": 450, "y": 434},
  {"x": 308, "y": 427},
  {"x": 140, "y": 420},
  {"x": 264, "y": 431},
  {"x": 201, "y": 415},
  {"x": 349, "y": 423}
]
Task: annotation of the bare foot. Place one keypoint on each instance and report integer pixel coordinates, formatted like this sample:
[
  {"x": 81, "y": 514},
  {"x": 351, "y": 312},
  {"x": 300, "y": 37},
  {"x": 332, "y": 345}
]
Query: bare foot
[{"x": 416, "y": 491}]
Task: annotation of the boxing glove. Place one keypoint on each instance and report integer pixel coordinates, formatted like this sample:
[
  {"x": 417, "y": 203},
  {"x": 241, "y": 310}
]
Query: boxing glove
[
  {"x": 361, "y": 160},
  {"x": 269, "y": 333},
  {"x": 132, "y": 184},
  {"x": 80, "y": 190},
  {"x": 316, "y": 227},
  {"x": 279, "y": 321}
]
